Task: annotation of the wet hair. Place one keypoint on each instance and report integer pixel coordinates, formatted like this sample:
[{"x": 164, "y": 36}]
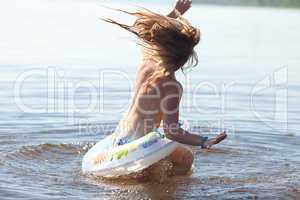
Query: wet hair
[{"x": 170, "y": 41}]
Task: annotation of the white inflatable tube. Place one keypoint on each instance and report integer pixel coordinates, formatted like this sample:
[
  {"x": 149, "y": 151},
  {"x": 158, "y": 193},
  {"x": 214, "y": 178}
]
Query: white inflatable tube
[{"x": 107, "y": 161}]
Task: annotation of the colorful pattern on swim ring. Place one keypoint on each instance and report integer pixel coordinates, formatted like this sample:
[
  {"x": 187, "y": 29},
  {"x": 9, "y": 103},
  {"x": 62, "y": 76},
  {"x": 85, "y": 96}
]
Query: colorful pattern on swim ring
[
  {"x": 124, "y": 140},
  {"x": 150, "y": 139}
]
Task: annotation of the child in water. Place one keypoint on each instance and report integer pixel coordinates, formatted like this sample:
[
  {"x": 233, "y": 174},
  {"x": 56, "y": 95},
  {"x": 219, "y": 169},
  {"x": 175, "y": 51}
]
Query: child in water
[{"x": 168, "y": 44}]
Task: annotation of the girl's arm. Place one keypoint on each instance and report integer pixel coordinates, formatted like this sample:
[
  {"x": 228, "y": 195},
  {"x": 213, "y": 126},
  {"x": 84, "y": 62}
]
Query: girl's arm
[
  {"x": 170, "y": 109},
  {"x": 181, "y": 6},
  {"x": 172, "y": 129}
]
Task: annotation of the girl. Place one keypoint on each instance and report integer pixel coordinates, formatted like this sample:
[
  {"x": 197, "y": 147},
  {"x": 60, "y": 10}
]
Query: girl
[{"x": 168, "y": 44}]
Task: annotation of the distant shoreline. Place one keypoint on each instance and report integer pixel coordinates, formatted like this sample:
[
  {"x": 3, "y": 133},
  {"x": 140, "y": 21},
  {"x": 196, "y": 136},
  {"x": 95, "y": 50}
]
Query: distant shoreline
[{"x": 253, "y": 3}]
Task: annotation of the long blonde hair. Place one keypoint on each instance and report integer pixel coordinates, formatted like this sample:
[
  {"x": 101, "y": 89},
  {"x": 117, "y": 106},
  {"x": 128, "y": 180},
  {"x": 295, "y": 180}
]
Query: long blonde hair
[{"x": 170, "y": 41}]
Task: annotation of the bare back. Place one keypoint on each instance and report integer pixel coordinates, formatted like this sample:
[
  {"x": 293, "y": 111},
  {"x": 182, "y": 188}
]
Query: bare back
[{"x": 146, "y": 110}]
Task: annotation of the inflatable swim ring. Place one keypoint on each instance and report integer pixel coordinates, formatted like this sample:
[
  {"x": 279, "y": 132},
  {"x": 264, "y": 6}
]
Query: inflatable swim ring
[{"x": 107, "y": 161}]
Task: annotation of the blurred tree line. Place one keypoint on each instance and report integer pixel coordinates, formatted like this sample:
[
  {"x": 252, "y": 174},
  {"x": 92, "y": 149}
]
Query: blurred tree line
[{"x": 275, "y": 3}]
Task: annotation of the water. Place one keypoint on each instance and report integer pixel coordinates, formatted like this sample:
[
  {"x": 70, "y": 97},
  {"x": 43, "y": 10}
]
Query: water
[{"x": 246, "y": 82}]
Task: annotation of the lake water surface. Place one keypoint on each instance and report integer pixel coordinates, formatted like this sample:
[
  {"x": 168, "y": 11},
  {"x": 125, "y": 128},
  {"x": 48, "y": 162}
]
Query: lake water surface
[{"x": 66, "y": 79}]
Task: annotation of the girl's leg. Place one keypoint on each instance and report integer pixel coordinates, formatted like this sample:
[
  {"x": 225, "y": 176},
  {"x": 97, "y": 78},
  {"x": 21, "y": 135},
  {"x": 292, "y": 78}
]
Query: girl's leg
[
  {"x": 179, "y": 162},
  {"x": 159, "y": 172},
  {"x": 182, "y": 159}
]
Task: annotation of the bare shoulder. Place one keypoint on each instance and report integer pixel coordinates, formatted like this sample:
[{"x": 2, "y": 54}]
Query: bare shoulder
[
  {"x": 172, "y": 86},
  {"x": 147, "y": 67}
]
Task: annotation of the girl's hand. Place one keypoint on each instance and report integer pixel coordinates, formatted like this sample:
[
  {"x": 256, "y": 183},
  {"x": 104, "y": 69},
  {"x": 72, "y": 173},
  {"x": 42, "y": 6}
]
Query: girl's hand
[
  {"x": 211, "y": 142},
  {"x": 183, "y": 5}
]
